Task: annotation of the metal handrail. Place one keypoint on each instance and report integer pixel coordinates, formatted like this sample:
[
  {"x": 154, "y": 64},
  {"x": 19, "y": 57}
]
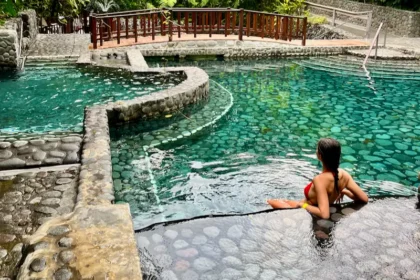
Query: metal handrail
[
  {"x": 338, "y": 9},
  {"x": 366, "y": 15},
  {"x": 374, "y": 41}
]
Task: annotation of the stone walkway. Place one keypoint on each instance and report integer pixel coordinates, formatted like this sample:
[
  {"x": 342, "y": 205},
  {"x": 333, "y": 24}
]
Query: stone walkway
[
  {"x": 379, "y": 241},
  {"x": 383, "y": 54},
  {"x": 27, "y": 200},
  {"x": 59, "y": 46}
]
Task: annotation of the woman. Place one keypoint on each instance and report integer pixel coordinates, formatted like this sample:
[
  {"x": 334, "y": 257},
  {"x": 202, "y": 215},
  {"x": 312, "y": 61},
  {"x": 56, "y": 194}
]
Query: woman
[{"x": 328, "y": 187}]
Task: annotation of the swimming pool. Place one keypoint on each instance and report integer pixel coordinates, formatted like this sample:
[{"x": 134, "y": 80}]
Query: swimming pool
[
  {"x": 264, "y": 147},
  {"x": 46, "y": 98}
]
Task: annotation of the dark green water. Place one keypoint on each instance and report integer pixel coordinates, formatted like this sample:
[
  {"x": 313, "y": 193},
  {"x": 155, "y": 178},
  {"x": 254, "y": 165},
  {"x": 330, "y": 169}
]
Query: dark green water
[
  {"x": 265, "y": 146},
  {"x": 53, "y": 99}
]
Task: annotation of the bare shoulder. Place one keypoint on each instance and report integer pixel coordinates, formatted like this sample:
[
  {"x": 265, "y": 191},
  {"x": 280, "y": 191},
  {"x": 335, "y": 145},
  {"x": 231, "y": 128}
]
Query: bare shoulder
[
  {"x": 344, "y": 173},
  {"x": 321, "y": 179}
]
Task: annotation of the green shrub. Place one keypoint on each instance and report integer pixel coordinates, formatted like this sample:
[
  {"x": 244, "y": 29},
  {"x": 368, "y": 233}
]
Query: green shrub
[{"x": 317, "y": 20}]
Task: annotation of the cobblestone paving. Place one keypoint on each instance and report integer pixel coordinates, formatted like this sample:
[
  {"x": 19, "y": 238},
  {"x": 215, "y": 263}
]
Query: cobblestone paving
[
  {"x": 69, "y": 45},
  {"x": 27, "y": 200},
  {"x": 380, "y": 241},
  {"x": 411, "y": 44},
  {"x": 384, "y": 53}
]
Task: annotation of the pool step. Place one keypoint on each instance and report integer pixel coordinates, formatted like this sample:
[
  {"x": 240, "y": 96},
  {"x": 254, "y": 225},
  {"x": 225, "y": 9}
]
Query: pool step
[
  {"x": 344, "y": 65},
  {"x": 395, "y": 67},
  {"x": 373, "y": 70}
]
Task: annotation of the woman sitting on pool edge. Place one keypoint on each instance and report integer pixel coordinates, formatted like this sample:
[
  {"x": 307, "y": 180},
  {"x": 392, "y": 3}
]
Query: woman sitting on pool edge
[{"x": 328, "y": 187}]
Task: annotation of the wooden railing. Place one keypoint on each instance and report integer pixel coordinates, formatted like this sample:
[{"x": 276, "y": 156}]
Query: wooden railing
[
  {"x": 178, "y": 21},
  {"x": 74, "y": 25}
]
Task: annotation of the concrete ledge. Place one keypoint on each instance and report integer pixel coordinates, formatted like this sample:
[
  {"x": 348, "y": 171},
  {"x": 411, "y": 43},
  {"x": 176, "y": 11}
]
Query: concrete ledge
[
  {"x": 136, "y": 59},
  {"x": 95, "y": 185},
  {"x": 235, "y": 48}
]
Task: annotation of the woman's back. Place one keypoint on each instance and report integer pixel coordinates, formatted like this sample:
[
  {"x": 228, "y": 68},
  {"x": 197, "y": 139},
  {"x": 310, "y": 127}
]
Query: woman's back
[{"x": 326, "y": 179}]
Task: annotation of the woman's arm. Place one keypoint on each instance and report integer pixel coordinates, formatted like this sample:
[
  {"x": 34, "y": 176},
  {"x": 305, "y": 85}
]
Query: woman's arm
[
  {"x": 355, "y": 192},
  {"x": 322, "y": 210}
]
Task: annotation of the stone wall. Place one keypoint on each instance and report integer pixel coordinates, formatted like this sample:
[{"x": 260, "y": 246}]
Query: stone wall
[
  {"x": 10, "y": 37},
  {"x": 30, "y": 27},
  {"x": 236, "y": 48},
  {"x": 34, "y": 152},
  {"x": 9, "y": 48},
  {"x": 403, "y": 23}
]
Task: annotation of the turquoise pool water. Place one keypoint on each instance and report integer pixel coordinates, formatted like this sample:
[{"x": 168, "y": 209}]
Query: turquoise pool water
[
  {"x": 53, "y": 98},
  {"x": 265, "y": 146}
]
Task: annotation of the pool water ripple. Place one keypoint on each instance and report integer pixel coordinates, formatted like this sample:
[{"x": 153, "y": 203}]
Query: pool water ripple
[
  {"x": 53, "y": 98},
  {"x": 265, "y": 146}
]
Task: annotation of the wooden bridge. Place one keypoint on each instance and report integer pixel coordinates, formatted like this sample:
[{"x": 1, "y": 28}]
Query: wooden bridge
[{"x": 193, "y": 21}]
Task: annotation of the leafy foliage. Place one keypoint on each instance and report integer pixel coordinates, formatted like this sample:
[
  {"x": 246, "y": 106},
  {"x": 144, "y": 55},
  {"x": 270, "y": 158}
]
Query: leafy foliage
[
  {"x": 317, "y": 20},
  {"x": 291, "y": 7},
  {"x": 103, "y": 6}
]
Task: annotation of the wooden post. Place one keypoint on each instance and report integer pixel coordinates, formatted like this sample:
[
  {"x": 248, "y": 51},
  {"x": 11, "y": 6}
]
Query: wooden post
[
  {"x": 255, "y": 29},
  {"x": 219, "y": 21},
  {"x": 135, "y": 28},
  {"x": 194, "y": 15},
  {"x": 118, "y": 30},
  {"x": 241, "y": 24},
  {"x": 278, "y": 23},
  {"x": 334, "y": 16},
  {"x": 227, "y": 22},
  {"x": 93, "y": 28},
  {"x": 284, "y": 28},
  {"x": 297, "y": 27},
  {"x": 248, "y": 23},
  {"x": 153, "y": 26},
  {"x": 211, "y": 24},
  {"x": 305, "y": 23},
  {"x": 170, "y": 25},
  {"x": 187, "y": 18},
  {"x": 262, "y": 18},
  {"x": 202, "y": 19},
  {"x": 101, "y": 35},
  {"x": 143, "y": 24},
  {"x": 290, "y": 32},
  {"x": 149, "y": 17},
  {"x": 179, "y": 24}
]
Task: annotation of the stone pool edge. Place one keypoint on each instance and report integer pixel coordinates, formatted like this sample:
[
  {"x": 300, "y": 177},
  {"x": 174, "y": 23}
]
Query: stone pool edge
[{"x": 104, "y": 245}]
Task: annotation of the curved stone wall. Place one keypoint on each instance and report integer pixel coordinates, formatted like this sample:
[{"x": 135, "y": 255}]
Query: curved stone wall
[{"x": 193, "y": 89}]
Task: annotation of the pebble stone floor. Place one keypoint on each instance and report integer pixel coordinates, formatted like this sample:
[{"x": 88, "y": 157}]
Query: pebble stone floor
[
  {"x": 265, "y": 146},
  {"x": 134, "y": 143},
  {"x": 379, "y": 241},
  {"x": 27, "y": 200}
]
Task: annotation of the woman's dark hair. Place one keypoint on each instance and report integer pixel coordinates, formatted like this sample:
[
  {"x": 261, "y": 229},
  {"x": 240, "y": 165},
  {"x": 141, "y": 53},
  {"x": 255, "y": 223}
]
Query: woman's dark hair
[{"x": 330, "y": 152}]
